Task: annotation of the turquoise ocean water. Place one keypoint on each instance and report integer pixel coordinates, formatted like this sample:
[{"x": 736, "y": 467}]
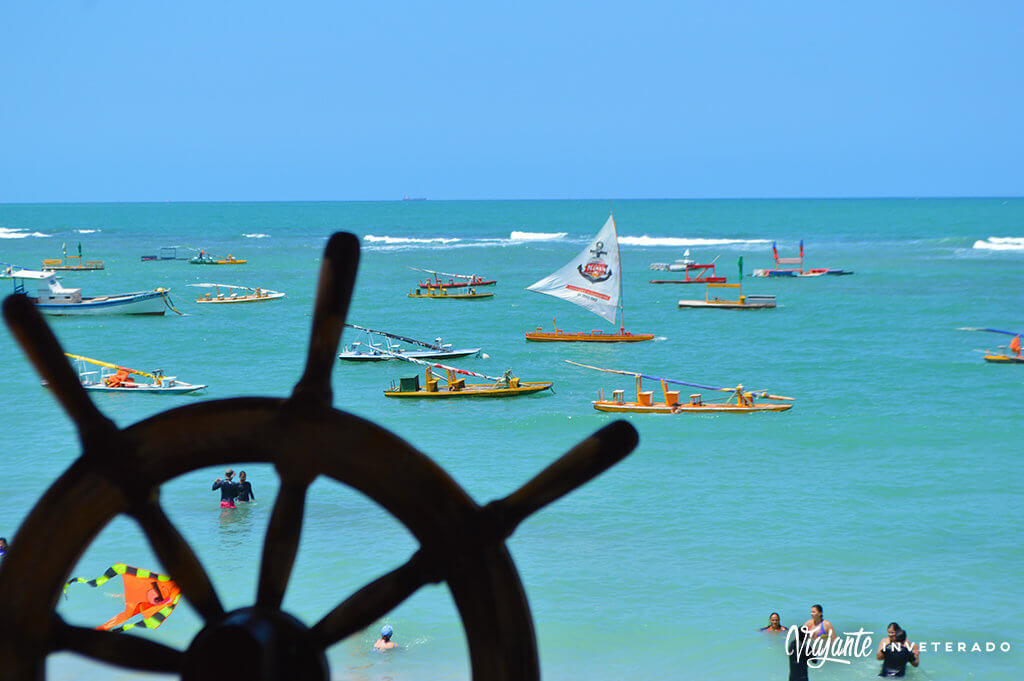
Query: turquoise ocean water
[{"x": 891, "y": 491}]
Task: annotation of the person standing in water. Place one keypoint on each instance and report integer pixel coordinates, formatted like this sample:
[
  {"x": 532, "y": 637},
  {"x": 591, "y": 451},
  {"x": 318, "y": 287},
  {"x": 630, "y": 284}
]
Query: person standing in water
[
  {"x": 819, "y": 626},
  {"x": 385, "y": 642},
  {"x": 228, "y": 489},
  {"x": 245, "y": 492},
  {"x": 895, "y": 653},
  {"x": 774, "y": 624}
]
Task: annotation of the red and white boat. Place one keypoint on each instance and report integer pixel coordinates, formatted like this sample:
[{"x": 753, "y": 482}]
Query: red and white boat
[
  {"x": 701, "y": 274},
  {"x": 464, "y": 280}
]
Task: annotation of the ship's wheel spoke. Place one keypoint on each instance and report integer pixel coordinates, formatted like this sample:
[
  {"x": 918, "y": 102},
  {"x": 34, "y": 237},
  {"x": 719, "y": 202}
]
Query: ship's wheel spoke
[
  {"x": 47, "y": 356},
  {"x": 334, "y": 291},
  {"x": 575, "y": 468},
  {"x": 282, "y": 542},
  {"x": 122, "y": 650},
  {"x": 179, "y": 560},
  {"x": 375, "y": 599}
]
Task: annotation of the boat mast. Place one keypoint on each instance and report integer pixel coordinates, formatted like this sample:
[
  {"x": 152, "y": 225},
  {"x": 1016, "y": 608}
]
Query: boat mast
[{"x": 618, "y": 256}]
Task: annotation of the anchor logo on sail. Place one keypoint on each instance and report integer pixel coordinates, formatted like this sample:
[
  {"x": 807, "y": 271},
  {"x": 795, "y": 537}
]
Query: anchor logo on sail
[{"x": 596, "y": 269}]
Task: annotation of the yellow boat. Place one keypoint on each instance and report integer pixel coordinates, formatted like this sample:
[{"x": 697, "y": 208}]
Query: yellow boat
[
  {"x": 740, "y": 402},
  {"x": 71, "y": 262},
  {"x": 1004, "y": 359},
  {"x": 507, "y": 386},
  {"x": 433, "y": 292},
  {"x": 236, "y": 294},
  {"x": 205, "y": 259},
  {"x": 1013, "y": 354},
  {"x": 713, "y": 301}
]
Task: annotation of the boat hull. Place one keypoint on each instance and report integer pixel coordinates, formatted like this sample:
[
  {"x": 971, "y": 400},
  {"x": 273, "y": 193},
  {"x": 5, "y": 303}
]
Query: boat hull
[
  {"x": 586, "y": 337},
  {"x": 453, "y": 296},
  {"x": 150, "y": 303},
  {"x": 707, "y": 408},
  {"x": 240, "y": 299},
  {"x": 1004, "y": 359},
  {"x": 149, "y": 389},
  {"x": 751, "y": 303},
  {"x": 706, "y": 280},
  {"x": 474, "y": 390},
  {"x": 417, "y": 354}
]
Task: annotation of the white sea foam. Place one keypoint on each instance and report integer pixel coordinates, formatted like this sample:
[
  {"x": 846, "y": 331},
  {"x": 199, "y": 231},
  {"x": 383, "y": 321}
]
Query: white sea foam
[
  {"x": 87, "y": 231},
  {"x": 1001, "y": 243},
  {"x": 400, "y": 240},
  {"x": 17, "y": 233},
  {"x": 536, "y": 236},
  {"x": 256, "y": 236},
  {"x": 685, "y": 241}
]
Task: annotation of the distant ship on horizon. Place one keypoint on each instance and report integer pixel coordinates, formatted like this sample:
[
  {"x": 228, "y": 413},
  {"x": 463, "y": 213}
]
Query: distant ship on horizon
[{"x": 406, "y": 197}]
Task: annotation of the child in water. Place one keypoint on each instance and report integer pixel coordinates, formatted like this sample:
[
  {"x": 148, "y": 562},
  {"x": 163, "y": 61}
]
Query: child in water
[{"x": 385, "y": 642}]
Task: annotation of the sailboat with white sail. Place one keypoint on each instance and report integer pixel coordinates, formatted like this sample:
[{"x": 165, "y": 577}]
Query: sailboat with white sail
[{"x": 592, "y": 280}]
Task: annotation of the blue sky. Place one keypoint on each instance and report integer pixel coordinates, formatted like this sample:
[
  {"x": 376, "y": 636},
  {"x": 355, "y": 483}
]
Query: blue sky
[{"x": 194, "y": 101}]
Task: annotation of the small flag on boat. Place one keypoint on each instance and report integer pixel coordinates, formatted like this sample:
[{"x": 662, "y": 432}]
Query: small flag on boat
[
  {"x": 740, "y": 262},
  {"x": 146, "y": 593},
  {"x": 1015, "y": 345},
  {"x": 801, "y": 248}
]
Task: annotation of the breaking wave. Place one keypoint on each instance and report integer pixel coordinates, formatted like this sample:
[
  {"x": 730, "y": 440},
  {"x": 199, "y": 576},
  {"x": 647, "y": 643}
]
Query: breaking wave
[
  {"x": 256, "y": 236},
  {"x": 401, "y": 240},
  {"x": 17, "y": 233},
  {"x": 537, "y": 236},
  {"x": 87, "y": 231},
  {"x": 684, "y": 241},
  {"x": 1001, "y": 243}
]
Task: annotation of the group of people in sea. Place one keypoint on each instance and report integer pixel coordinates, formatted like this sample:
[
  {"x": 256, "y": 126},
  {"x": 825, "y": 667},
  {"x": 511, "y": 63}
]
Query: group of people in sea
[
  {"x": 231, "y": 491},
  {"x": 894, "y": 651}
]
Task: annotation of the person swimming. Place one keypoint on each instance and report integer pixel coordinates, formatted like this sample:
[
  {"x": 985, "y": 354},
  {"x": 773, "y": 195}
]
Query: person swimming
[
  {"x": 385, "y": 642},
  {"x": 774, "y": 623},
  {"x": 245, "y": 488},
  {"x": 895, "y": 653},
  {"x": 228, "y": 489},
  {"x": 818, "y": 626}
]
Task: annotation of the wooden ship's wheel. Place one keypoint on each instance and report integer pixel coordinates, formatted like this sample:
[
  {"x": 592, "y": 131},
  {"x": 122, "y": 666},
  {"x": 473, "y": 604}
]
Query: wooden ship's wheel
[{"x": 120, "y": 472}]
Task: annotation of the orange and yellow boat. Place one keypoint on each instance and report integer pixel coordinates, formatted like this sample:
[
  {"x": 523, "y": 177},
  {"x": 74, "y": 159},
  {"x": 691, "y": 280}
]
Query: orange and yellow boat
[
  {"x": 455, "y": 387},
  {"x": 592, "y": 336},
  {"x": 442, "y": 293},
  {"x": 1013, "y": 349},
  {"x": 741, "y": 401}
]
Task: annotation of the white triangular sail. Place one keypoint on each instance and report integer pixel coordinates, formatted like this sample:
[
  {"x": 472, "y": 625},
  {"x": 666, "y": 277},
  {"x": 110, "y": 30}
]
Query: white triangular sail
[{"x": 592, "y": 279}]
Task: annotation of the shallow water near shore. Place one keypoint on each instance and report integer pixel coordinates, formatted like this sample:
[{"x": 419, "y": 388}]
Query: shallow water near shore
[{"x": 891, "y": 491}]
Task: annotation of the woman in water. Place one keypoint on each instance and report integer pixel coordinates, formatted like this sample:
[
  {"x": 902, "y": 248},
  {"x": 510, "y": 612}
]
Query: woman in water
[
  {"x": 818, "y": 625},
  {"x": 774, "y": 624},
  {"x": 895, "y": 653},
  {"x": 245, "y": 492}
]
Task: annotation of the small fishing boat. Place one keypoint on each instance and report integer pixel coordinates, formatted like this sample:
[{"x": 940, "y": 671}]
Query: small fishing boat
[
  {"x": 454, "y": 387},
  {"x": 204, "y": 258},
  {"x": 441, "y": 293},
  {"x": 236, "y": 294},
  {"x": 106, "y": 377},
  {"x": 798, "y": 271},
  {"x": 53, "y": 299},
  {"x": 1013, "y": 350},
  {"x": 464, "y": 280},
  {"x": 592, "y": 280},
  {"x": 703, "y": 274},
  {"x": 388, "y": 348},
  {"x": 71, "y": 262},
  {"x": 713, "y": 301},
  {"x": 741, "y": 401}
]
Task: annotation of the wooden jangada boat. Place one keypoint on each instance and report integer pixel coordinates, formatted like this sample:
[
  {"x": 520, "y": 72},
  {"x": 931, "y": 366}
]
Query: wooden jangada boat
[
  {"x": 432, "y": 292},
  {"x": 1013, "y": 354},
  {"x": 205, "y": 258},
  {"x": 742, "y": 302},
  {"x": 741, "y": 402},
  {"x": 704, "y": 274},
  {"x": 377, "y": 352},
  {"x": 799, "y": 271},
  {"x": 505, "y": 386},
  {"x": 236, "y": 294},
  {"x": 592, "y": 280},
  {"x": 106, "y": 377},
  {"x": 71, "y": 262},
  {"x": 465, "y": 280}
]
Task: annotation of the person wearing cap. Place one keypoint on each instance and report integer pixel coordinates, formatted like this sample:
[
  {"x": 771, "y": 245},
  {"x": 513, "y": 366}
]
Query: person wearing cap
[
  {"x": 228, "y": 489},
  {"x": 385, "y": 642}
]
